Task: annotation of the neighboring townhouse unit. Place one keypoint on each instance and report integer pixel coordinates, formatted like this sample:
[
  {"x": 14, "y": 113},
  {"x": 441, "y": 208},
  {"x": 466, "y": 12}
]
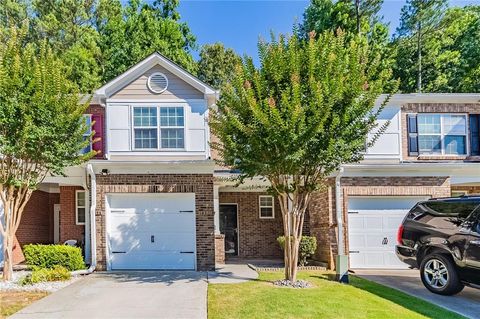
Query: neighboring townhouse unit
[{"x": 154, "y": 199}]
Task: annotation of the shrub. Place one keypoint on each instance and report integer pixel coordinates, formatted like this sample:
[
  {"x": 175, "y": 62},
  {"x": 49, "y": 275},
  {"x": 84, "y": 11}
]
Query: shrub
[
  {"x": 308, "y": 245},
  {"x": 49, "y": 256},
  {"x": 58, "y": 273}
]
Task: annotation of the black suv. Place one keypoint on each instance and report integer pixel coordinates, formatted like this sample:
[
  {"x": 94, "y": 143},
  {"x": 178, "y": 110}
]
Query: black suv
[{"x": 441, "y": 237}]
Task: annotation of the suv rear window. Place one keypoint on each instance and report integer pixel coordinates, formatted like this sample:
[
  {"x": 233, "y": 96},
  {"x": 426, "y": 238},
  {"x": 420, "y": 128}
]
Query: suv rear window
[{"x": 453, "y": 208}]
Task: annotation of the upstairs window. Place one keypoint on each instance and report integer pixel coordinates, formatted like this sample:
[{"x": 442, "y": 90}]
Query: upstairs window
[
  {"x": 86, "y": 135},
  {"x": 151, "y": 124},
  {"x": 145, "y": 127},
  {"x": 172, "y": 127},
  {"x": 442, "y": 134}
]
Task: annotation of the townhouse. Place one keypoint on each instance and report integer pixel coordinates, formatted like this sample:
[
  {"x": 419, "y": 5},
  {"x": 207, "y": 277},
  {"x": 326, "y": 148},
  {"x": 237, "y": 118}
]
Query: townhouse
[{"x": 153, "y": 197}]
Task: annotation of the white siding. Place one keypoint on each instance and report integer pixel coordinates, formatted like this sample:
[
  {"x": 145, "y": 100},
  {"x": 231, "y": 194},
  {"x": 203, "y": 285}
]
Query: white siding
[
  {"x": 119, "y": 129},
  {"x": 388, "y": 145}
]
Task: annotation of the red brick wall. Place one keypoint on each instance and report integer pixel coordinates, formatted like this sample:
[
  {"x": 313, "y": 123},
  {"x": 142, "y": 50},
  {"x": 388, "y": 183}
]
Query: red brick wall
[
  {"x": 200, "y": 184},
  {"x": 469, "y": 108},
  {"x": 36, "y": 226},
  {"x": 257, "y": 237},
  {"x": 219, "y": 249},
  {"x": 68, "y": 227}
]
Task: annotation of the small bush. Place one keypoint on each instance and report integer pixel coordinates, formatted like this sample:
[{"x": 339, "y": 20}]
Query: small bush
[
  {"x": 58, "y": 273},
  {"x": 308, "y": 245},
  {"x": 49, "y": 256}
]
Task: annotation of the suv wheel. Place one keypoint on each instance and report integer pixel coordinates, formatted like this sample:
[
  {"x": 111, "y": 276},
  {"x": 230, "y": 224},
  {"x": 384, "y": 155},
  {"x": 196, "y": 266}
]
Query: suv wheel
[{"x": 439, "y": 275}]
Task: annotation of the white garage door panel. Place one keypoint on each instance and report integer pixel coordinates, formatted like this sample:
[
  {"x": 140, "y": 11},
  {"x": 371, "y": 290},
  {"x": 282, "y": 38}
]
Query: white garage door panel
[
  {"x": 373, "y": 223},
  {"x": 145, "y": 260},
  {"x": 151, "y": 231}
]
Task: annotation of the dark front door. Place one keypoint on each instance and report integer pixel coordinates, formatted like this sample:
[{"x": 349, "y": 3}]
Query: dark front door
[{"x": 229, "y": 227}]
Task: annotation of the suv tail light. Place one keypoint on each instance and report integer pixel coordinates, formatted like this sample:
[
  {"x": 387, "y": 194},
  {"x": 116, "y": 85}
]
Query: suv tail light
[{"x": 400, "y": 235}]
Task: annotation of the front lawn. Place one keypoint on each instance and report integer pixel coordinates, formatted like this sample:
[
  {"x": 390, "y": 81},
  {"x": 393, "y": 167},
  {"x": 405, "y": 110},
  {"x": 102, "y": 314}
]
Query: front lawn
[
  {"x": 328, "y": 299},
  {"x": 13, "y": 301}
]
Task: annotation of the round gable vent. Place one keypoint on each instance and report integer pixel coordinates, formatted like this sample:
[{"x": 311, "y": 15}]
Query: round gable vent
[{"x": 157, "y": 82}]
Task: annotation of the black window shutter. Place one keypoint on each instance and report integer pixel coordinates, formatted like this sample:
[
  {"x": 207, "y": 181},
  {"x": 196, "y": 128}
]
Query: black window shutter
[
  {"x": 475, "y": 134},
  {"x": 412, "y": 135}
]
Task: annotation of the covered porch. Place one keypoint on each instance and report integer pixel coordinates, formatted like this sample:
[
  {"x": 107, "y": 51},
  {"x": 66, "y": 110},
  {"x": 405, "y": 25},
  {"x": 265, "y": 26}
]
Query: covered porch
[{"x": 56, "y": 212}]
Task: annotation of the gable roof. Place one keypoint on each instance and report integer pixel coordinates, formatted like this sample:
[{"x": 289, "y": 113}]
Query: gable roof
[{"x": 141, "y": 67}]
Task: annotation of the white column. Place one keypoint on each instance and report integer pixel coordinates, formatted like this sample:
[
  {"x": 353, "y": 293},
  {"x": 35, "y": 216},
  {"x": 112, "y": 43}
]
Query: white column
[{"x": 216, "y": 209}]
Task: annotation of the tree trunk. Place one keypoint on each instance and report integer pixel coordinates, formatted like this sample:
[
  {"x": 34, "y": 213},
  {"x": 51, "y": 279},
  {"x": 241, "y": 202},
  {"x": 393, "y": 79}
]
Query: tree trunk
[
  {"x": 293, "y": 213},
  {"x": 8, "y": 258},
  {"x": 14, "y": 200},
  {"x": 357, "y": 15},
  {"x": 419, "y": 57}
]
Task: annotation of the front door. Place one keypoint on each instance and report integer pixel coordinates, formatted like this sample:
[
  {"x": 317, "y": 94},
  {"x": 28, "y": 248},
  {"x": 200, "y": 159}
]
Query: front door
[{"x": 229, "y": 228}]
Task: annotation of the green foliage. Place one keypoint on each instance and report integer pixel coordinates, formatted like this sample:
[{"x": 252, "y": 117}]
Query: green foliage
[
  {"x": 100, "y": 39},
  {"x": 450, "y": 54},
  {"x": 57, "y": 273},
  {"x": 217, "y": 64},
  {"x": 304, "y": 112},
  {"x": 41, "y": 121},
  {"x": 307, "y": 248},
  {"x": 130, "y": 33},
  {"x": 49, "y": 256},
  {"x": 354, "y": 18}
]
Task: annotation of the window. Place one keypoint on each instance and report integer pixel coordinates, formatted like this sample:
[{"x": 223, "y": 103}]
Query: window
[
  {"x": 443, "y": 134},
  {"x": 86, "y": 135},
  {"x": 80, "y": 207},
  {"x": 266, "y": 207},
  {"x": 145, "y": 127},
  {"x": 170, "y": 129}
]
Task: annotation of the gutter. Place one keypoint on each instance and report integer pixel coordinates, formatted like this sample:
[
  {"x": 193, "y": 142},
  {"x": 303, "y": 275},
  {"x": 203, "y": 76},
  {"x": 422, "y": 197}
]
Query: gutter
[
  {"x": 93, "y": 233},
  {"x": 341, "y": 262}
]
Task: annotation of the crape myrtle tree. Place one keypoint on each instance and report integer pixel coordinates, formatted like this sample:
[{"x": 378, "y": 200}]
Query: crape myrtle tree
[
  {"x": 306, "y": 110},
  {"x": 41, "y": 128}
]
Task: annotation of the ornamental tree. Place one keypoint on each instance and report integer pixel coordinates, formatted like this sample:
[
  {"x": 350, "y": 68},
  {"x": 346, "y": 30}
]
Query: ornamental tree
[
  {"x": 300, "y": 115},
  {"x": 41, "y": 128}
]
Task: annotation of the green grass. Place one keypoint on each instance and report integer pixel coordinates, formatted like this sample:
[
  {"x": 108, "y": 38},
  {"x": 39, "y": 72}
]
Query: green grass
[
  {"x": 327, "y": 299},
  {"x": 13, "y": 301}
]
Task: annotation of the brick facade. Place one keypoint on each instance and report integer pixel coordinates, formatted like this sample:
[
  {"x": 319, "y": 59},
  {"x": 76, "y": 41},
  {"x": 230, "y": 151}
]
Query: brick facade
[
  {"x": 468, "y": 108},
  {"x": 68, "y": 226},
  {"x": 36, "y": 226},
  {"x": 219, "y": 249},
  {"x": 200, "y": 184},
  {"x": 257, "y": 237}
]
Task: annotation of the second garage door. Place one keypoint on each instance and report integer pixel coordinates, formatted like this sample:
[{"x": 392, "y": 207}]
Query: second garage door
[
  {"x": 372, "y": 226},
  {"x": 151, "y": 231}
]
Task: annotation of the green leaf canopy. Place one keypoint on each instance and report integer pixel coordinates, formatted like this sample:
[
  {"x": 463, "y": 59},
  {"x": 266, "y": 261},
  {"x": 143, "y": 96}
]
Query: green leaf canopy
[{"x": 305, "y": 111}]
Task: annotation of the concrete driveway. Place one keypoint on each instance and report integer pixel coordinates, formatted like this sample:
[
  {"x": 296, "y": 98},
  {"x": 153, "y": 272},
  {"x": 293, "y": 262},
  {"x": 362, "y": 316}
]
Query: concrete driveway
[
  {"x": 126, "y": 295},
  {"x": 466, "y": 303}
]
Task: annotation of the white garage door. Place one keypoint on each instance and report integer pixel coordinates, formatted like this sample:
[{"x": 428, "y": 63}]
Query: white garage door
[
  {"x": 151, "y": 231},
  {"x": 372, "y": 226}
]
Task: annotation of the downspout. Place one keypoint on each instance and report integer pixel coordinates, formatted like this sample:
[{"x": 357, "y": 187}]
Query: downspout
[
  {"x": 93, "y": 236},
  {"x": 341, "y": 262}
]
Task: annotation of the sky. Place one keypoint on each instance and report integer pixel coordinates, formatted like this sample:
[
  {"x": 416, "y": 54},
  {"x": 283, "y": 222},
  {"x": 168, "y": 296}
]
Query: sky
[{"x": 239, "y": 24}]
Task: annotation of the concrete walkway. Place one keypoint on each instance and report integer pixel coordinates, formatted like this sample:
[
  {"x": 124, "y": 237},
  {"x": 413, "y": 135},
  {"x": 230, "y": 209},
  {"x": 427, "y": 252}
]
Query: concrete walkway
[
  {"x": 466, "y": 303},
  {"x": 231, "y": 274},
  {"x": 126, "y": 295}
]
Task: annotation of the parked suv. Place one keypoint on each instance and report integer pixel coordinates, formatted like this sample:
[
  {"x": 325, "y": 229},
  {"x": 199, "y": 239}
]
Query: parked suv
[{"x": 441, "y": 237}]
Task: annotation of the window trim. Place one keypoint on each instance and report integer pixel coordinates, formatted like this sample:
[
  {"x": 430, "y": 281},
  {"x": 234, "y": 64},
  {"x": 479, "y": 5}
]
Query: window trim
[
  {"x": 158, "y": 106},
  {"x": 260, "y": 207},
  {"x": 443, "y": 135},
  {"x": 144, "y": 127},
  {"x": 77, "y": 207}
]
